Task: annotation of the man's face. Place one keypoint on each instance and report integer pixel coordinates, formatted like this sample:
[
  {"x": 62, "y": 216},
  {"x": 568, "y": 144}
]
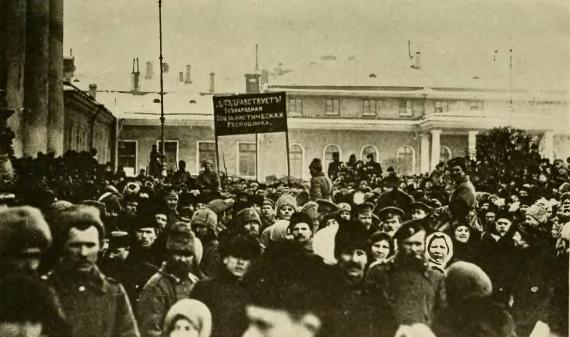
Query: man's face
[
  {"x": 457, "y": 173},
  {"x": 462, "y": 234},
  {"x": 418, "y": 213},
  {"x": 353, "y": 263},
  {"x": 301, "y": 232},
  {"x": 181, "y": 262},
  {"x": 438, "y": 249},
  {"x": 502, "y": 226},
  {"x": 160, "y": 220},
  {"x": 490, "y": 217},
  {"x": 285, "y": 212},
  {"x": 118, "y": 253},
  {"x": 266, "y": 322},
  {"x": 237, "y": 266},
  {"x": 81, "y": 248},
  {"x": 267, "y": 211},
  {"x": 172, "y": 202},
  {"x": 392, "y": 224},
  {"x": 200, "y": 230},
  {"x": 251, "y": 228},
  {"x": 145, "y": 237},
  {"x": 131, "y": 207},
  {"x": 346, "y": 215},
  {"x": 529, "y": 220},
  {"x": 564, "y": 213},
  {"x": 414, "y": 245},
  {"x": 365, "y": 218},
  {"x": 207, "y": 167}
]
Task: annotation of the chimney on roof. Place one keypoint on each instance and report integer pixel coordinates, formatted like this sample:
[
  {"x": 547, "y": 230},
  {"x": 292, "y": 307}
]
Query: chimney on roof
[
  {"x": 417, "y": 64},
  {"x": 252, "y": 84},
  {"x": 68, "y": 68},
  {"x": 93, "y": 90},
  {"x": 212, "y": 87},
  {"x": 136, "y": 76},
  {"x": 181, "y": 76},
  {"x": 148, "y": 75},
  {"x": 188, "y": 78}
]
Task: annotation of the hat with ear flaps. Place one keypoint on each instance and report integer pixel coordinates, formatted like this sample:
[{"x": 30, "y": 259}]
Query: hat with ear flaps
[
  {"x": 181, "y": 239},
  {"x": 285, "y": 200},
  {"x": 23, "y": 227}
]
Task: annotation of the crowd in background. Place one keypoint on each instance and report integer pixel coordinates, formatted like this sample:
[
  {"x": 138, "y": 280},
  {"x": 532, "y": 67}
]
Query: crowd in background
[{"x": 355, "y": 251}]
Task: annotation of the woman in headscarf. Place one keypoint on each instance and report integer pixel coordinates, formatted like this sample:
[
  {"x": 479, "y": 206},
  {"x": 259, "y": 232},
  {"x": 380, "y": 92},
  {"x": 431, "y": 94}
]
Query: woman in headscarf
[
  {"x": 439, "y": 251},
  {"x": 188, "y": 318}
]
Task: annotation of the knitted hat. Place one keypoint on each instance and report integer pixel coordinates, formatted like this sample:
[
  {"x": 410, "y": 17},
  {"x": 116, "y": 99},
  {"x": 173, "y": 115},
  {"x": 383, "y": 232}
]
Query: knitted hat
[
  {"x": 78, "y": 216},
  {"x": 310, "y": 209},
  {"x": 466, "y": 280},
  {"x": 285, "y": 200},
  {"x": 22, "y": 227},
  {"x": 180, "y": 239},
  {"x": 538, "y": 213},
  {"x": 196, "y": 312},
  {"x": 246, "y": 215},
  {"x": 204, "y": 217}
]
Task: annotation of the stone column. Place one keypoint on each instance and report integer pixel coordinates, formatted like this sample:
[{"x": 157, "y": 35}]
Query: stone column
[
  {"x": 12, "y": 60},
  {"x": 36, "y": 78},
  {"x": 472, "y": 143},
  {"x": 424, "y": 153},
  {"x": 435, "y": 148},
  {"x": 548, "y": 145},
  {"x": 56, "y": 112}
]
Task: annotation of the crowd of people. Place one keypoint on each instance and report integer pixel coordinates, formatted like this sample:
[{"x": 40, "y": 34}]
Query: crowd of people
[{"x": 85, "y": 251}]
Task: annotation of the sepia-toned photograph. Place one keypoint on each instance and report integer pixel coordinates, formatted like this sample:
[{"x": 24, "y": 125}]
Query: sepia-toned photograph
[{"x": 300, "y": 168}]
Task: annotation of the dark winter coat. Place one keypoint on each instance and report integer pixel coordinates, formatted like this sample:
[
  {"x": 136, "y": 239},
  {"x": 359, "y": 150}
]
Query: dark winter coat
[
  {"x": 462, "y": 200},
  {"x": 415, "y": 293},
  {"x": 95, "y": 305},
  {"x": 139, "y": 267},
  {"x": 357, "y": 312},
  {"x": 226, "y": 298},
  {"x": 532, "y": 289},
  {"x": 158, "y": 295},
  {"x": 321, "y": 187}
]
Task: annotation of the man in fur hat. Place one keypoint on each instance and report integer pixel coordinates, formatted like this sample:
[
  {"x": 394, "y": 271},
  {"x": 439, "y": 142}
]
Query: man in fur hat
[
  {"x": 208, "y": 181},
  {"x": 267, "y": 213},
  {"x": 462, "y": 200},
  {"x": 415, "y": 291},
  {"x": 204, "y": 223},
  {"x": 95, "y": 305},
  {"x": 247, "y": 222},
  {"x": 225, "y": 293},
  {"x": 24, "y": 237},
  {"x": 174, "y": 280},
  {"x": 321, "y": 185}
]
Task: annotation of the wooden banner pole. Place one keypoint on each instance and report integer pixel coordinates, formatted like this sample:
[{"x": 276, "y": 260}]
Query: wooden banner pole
[
  {"x": 256, "y": 158},
  {"x": 288, "y": 160}
]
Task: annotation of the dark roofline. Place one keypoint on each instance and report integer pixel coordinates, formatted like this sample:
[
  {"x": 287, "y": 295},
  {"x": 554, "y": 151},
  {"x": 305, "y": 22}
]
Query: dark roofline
[{"x": 88, "y": 97}]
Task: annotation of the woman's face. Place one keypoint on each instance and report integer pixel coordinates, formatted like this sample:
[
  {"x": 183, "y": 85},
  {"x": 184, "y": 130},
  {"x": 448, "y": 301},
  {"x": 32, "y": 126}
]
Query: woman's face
[
  {"x": 462, "y": 234},
  {"x": 380, "y": 250},
  {"x": 184, "y": 328},
  {"x": 285, "y": 212},
  {"x": 438, "y": 249}
]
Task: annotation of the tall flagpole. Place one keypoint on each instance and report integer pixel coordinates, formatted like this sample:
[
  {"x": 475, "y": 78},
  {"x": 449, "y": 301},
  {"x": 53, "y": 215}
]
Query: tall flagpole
[{"x": 161, "y": 85}]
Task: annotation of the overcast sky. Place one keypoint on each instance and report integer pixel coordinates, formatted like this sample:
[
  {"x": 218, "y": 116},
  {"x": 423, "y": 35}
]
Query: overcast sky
[{"x": 220, "y": 35}]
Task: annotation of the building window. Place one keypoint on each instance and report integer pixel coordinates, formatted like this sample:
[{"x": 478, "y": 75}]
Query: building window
[
  {"x": 295, "y": 106},
  {"x": 127, "y": 156},
  {"x": 476, "y": 106},
  {"x": 369, "y": 107},
  {"x": 369, "y": 149},
  {"x": 296, "y": 161},
  {"x": 445, "y": 154},
  {"x": 406, "y": 109},
  {"x": 332, "y": 107},
  {"x": 170, "y": 154},
  {"x": 406, "y": 159},
  {"x": 441, "y": 106},
  {"x": 328, "y": 155},
  {"x": 246, "y": 159},
  {"x": 206, "y": 150}
]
